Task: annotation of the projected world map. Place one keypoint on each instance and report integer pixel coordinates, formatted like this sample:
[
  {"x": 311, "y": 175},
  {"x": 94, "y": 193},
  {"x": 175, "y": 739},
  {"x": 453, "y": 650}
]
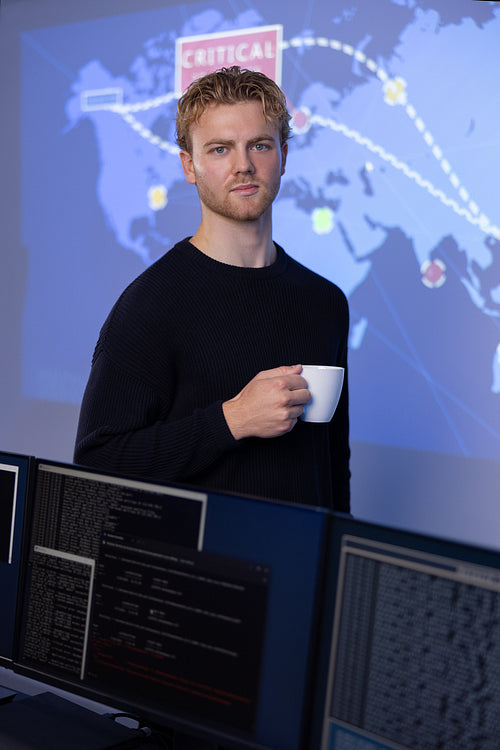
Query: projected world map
[{"x": 390, "y": 191}]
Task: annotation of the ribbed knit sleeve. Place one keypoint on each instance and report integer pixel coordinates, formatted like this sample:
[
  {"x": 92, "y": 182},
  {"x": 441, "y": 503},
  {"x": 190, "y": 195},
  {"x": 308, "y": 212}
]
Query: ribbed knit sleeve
[
  {"x": 122, "y": 428},
  {"x": 190, "y": 333}
]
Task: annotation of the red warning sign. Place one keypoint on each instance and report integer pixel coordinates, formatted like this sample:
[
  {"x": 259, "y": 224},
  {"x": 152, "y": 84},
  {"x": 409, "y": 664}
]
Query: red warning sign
[{"x": 258, "y": 48}]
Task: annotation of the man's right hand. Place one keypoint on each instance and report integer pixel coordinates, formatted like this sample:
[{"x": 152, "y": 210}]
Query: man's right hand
[{"x": 269, "y": 405}]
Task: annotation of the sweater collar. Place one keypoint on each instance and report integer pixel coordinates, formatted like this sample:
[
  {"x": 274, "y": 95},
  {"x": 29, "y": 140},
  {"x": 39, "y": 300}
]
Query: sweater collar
[{"x": 210, "y": 265}]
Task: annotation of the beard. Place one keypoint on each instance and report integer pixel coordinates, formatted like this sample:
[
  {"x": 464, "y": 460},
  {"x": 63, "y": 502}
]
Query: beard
[{"x": 235, "y": 207}]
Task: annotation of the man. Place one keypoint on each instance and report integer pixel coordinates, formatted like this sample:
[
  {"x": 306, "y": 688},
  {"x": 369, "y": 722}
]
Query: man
[{"x": 196, "y": 376}]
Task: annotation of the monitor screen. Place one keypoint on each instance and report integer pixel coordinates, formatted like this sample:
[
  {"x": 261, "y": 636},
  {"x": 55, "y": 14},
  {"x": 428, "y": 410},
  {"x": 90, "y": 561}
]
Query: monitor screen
[
  {"x": 415, "y": 650},
  {"x": 14, "y": 482},
  {"x": 194, "y": 611}
]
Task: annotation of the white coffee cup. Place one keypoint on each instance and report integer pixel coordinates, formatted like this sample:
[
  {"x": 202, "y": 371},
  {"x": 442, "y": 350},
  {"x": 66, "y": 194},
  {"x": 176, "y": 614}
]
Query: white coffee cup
[{"x": 325, "y": 385}]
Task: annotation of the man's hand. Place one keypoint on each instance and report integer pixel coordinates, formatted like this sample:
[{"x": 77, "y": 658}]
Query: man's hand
[{"x": 269, "y": 405}]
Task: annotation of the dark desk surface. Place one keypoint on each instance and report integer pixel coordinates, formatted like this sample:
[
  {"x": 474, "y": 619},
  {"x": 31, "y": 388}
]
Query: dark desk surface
[
  {"x": 24, "y": 686},
  {"x": 34, "y": 716},
  {"x": 47, "y": 720}
]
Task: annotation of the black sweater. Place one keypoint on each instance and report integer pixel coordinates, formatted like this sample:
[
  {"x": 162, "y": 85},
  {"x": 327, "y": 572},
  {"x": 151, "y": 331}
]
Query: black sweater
[{"x": 187, "y": 335}]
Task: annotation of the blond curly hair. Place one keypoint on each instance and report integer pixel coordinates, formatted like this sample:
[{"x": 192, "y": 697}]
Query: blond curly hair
[{"x": 231, "y": 86}]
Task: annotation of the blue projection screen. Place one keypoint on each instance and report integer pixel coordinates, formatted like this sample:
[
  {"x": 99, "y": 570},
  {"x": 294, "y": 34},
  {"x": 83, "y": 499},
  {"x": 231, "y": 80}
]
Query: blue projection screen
[{"x": 391, "y": 190}]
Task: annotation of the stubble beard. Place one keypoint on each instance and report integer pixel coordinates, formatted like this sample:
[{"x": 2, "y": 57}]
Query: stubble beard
[{"x": 238, "y": 208}]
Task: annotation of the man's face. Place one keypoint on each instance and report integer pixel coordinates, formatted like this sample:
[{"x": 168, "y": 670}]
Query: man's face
[{"x": 236, "y": 162}]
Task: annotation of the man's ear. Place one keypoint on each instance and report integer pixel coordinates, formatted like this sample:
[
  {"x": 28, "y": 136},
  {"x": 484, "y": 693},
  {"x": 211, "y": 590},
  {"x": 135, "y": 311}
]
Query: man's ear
[
  {"x": 284, "y": 153},
  {"x": 187, "y": 167}
]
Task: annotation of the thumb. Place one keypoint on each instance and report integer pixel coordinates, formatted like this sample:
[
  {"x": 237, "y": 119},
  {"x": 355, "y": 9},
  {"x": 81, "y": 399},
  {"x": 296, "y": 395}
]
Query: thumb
[
  {"x": 281, "y": 370},
  {"x": 287, "y": 369}
]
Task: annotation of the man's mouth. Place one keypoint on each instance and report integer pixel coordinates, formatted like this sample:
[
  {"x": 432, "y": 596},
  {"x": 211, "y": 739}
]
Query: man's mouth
[{"x": 248, "y": 188}]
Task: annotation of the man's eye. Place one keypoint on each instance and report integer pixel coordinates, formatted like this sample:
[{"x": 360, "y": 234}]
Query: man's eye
[
  {"x": 260, "y": 146},
  {"x": 219, "y": 149}
]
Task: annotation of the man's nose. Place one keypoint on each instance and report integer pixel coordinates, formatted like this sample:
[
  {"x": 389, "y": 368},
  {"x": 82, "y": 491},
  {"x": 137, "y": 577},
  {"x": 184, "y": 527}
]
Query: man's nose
[{"x": 243, "y": 161}]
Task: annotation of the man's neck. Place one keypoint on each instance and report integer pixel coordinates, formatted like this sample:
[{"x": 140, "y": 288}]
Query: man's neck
[{"x": 247, "y": 246}]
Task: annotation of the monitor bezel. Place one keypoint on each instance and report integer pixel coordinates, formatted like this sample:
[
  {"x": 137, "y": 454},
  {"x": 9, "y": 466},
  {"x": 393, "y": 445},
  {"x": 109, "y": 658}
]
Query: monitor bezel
[
  {"x": 232, "y": 739},
  {"x": 21, "y": 529}
]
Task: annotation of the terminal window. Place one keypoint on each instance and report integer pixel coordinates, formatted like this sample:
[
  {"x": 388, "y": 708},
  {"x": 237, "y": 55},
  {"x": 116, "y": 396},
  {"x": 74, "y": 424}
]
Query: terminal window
[
  {"x": 416, "y": 652},
  {"x": 122, "y": 599}
]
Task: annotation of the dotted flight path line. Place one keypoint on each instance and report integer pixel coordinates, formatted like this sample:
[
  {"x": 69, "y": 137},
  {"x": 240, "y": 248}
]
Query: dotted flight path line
[
  {"x": 110, "y": 99},
  {"x": 127, "y": 112},
  {"x": 395, "y": 91},
  {"x": 480, "y": 221}
]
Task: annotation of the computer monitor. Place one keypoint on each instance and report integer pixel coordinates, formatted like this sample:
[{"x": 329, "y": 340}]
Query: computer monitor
[
  {"x": 195, "y": 611},
  {"x": 14, "y": 488},
  {"x": 414, "y": 640}
]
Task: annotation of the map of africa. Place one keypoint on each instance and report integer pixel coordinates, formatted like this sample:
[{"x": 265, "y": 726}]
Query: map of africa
[{"x": 390, "y": 191}]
